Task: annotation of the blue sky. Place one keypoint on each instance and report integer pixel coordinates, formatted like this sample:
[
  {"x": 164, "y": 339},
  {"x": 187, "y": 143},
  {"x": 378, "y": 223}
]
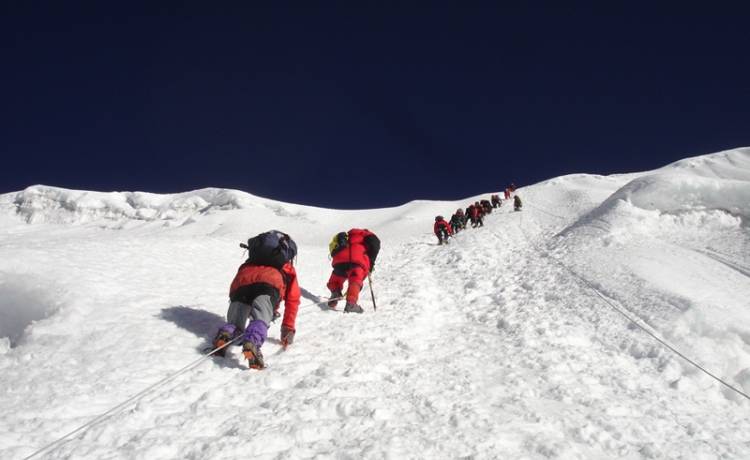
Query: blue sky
[{"x": 344, "y": 105}]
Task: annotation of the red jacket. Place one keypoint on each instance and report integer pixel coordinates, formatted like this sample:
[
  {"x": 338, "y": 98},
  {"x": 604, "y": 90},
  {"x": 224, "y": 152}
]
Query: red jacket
[
  {"x": 359, "y": 251},
  {"x": 289, "y": 292},
  {"x": 438, "y": 224}
]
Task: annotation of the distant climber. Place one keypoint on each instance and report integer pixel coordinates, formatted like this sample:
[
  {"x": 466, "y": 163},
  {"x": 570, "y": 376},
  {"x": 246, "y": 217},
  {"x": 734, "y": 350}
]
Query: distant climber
[
  {"x": 487, "y": 206},
  {"x": 475, "y": 214},
  {"x": 442, "y": 230},
  {"x": 458, "y": 221},
  {"x": 480, "y": 212}
]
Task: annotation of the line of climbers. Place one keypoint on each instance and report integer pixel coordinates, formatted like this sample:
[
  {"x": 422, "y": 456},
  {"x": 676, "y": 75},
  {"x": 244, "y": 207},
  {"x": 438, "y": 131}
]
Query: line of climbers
[
  {"x": 474, "y": 214},
  {"x": 268, "y": 277}
]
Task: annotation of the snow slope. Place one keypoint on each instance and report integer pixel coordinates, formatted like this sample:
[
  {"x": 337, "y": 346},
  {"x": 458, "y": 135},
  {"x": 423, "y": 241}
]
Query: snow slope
[{"x": 514, "y": 341}]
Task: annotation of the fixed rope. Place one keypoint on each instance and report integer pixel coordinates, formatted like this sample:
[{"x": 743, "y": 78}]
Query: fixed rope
[
  {"x": 128, "y": 401},
  {"x": 133, "y": 398},
  {"x": 618, "y": 310}
]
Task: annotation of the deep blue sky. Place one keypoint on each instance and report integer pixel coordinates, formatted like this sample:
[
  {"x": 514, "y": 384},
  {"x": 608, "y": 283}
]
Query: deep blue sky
[{"x": 354, "y": 105}]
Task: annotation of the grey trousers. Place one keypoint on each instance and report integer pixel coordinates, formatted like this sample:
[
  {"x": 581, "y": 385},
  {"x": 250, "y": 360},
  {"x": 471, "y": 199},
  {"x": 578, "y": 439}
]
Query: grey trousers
[{"x": 261, "y": 309}]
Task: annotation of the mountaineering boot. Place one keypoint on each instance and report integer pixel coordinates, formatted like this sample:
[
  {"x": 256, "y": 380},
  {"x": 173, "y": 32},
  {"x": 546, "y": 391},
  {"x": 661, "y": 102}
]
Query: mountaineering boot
[
  {"x": 225, "y": 334},
  {"x": 334, "y": 300},
  {"x": 253, "y": 355},
  {"x": 352, "y": 308},
  {"x": 221, "y": 339}
]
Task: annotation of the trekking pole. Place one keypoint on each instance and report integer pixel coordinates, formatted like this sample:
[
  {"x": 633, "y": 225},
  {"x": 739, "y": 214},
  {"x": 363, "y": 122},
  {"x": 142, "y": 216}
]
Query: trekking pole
[{"x": 374, "y": 307}]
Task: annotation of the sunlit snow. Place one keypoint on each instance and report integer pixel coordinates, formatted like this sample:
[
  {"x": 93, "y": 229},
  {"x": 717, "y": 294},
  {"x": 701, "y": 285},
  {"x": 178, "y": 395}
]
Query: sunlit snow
[{"x": 513, "y": 341}]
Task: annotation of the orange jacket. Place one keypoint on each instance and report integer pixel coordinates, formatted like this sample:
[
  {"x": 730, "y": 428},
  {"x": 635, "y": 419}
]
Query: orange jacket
[
  {"x": 288, "y": 291},
  {"x": 358, "y": 252}
]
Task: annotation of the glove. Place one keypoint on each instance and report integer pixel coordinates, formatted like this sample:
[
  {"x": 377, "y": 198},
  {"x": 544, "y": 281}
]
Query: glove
[
  {"x": 372, "y": 269},
  {"x": 287, "y": 337}
]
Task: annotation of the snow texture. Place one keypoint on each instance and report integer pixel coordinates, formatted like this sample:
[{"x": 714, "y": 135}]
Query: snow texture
[{"x": 532, "y": 337}]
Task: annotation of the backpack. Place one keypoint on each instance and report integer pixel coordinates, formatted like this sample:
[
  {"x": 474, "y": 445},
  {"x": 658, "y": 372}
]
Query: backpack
[
  {"x": 340, "y": 241},
  {"x": 272, "y": 249}
]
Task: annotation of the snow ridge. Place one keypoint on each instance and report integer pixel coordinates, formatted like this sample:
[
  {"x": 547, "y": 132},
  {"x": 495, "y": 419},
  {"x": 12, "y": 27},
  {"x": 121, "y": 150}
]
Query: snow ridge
[{"x": 40, "y": 203}]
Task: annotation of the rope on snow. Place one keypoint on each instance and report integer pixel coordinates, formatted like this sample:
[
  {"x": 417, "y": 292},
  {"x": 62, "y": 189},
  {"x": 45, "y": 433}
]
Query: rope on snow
[
  {"x": 144, "y": 392},
  {"x": 128, "y": 401},
  {"x": 618, "y": 310}
]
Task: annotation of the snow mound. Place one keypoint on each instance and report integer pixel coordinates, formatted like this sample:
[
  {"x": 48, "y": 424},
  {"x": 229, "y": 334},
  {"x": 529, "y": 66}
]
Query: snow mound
[
  {"x": 41, "y": 203},
  {"x": 675, "y": 194},
  {"x": 706, "y": 190},
  {"x": 21, "y": 304}
]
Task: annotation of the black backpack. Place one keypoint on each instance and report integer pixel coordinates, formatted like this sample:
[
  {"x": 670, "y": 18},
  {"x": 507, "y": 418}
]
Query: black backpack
[{"x": 272, "y": 249}]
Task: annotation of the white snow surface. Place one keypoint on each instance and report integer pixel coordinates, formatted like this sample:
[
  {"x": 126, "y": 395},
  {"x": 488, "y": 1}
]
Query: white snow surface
[{"x": 523, "y": 339}]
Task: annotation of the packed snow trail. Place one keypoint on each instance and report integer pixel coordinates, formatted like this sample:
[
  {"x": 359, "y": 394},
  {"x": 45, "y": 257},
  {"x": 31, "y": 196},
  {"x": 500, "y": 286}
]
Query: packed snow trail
[{"x": 483, "y": 348}]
